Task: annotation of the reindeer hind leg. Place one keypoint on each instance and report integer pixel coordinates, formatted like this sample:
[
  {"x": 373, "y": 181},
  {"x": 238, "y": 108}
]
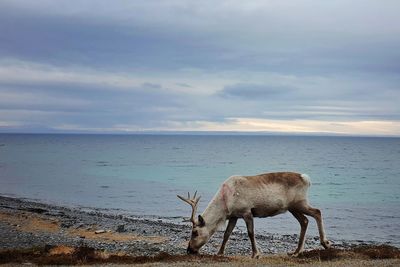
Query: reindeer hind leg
[
  {"x": 316, "y": 214},
  {"x": 303, "y": 224}
]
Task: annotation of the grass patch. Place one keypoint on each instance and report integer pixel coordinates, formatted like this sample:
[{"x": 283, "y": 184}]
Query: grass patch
[
  {"x": 86, "y": 255},
  {"x": 61, "y": 255},
  {"x": 360, "y": 252}
]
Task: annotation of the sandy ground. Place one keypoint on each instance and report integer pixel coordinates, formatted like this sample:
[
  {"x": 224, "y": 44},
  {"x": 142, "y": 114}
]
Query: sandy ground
[
  {"x": 35, "y": 233},
  {"x": 33, "y": 223}
]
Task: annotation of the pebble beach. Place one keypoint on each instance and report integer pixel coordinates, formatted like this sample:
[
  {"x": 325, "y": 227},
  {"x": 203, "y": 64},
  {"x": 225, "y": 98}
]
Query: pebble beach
[{"x": 26, "y": 224}]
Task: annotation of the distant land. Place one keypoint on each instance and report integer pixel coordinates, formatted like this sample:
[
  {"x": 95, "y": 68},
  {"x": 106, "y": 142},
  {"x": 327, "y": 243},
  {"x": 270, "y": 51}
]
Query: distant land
[{"x": 213, "y": 133}]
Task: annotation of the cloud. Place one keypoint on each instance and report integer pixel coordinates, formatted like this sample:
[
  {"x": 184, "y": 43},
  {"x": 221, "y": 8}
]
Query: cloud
[
  {"x": 81, "y": 40},
  {"x": 255, "y": 91},
  {"x": 88, "y": 98},
  {"x": 10, "y": 99},
  {"x": 171, "y": 65},
  {"x": 254, "y": 125},
  {"x": 18, "y": 72},
  {"x": 301, "y": 37},
  {"x": 85, "y": 106},
  {"x": 183, "y": 85},
  {"x": 57, "y": 96},
  {"x": 380, "y": 128}
]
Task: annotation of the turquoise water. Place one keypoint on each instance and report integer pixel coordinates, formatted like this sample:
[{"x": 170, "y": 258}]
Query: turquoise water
[{"x": 355, "y": 180}]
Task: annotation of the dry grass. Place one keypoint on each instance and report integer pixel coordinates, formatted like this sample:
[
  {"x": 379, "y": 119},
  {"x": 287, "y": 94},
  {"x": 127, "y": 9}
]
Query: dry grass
[
  {"x": 60, "y": 255},
  {"x": 86, "y": 255},
  {"x": 360, "y": 252},
  {"x": 61, "y": 250}
]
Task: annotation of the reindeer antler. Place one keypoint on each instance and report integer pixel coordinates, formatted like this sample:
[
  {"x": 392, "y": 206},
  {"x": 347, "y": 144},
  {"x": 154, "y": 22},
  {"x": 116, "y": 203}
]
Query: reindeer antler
[{"x": 192, "y": 202}]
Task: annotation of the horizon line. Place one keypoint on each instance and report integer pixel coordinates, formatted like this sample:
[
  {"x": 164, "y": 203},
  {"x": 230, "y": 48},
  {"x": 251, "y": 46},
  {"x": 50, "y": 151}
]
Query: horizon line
[{"x": 201, "y": 133}]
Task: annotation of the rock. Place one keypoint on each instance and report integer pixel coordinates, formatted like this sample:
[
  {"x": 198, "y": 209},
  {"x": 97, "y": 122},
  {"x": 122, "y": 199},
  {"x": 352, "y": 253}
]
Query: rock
[
  {"x": 79, "y": 225},
  {"x": 121, "y": 228},
  {"x": 37, "y": 210},
  {"x": 67, "y": 224},
  {"x": 99, "y": 232}
]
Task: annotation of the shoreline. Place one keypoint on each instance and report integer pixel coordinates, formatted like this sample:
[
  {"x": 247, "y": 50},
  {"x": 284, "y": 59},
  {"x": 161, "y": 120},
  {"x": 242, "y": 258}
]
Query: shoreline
[{"x": 26, "y": 224}]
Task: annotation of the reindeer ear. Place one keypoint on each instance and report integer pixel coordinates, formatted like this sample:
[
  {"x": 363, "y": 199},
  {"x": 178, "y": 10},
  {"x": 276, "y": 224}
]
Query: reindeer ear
[{"x": 201, "y": 221}]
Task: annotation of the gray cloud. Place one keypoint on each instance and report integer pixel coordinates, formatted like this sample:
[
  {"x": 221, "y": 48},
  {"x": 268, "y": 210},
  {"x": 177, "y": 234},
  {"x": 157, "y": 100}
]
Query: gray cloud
[
  {"x": 311, "y": 38},
  {"x": 184, "y": 85},
  {"x": 178, "y": 62},
  {"x": 83, "y": 105},
  {"x": 256, "y": 91}
]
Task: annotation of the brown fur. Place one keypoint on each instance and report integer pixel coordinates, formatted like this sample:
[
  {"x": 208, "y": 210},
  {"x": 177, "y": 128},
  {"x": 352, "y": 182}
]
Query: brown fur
[{"x": 287, "y": 179}]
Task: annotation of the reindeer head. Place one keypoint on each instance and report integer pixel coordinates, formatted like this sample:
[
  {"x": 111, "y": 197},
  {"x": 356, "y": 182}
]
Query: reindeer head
[{"x": 200, "y": 234}]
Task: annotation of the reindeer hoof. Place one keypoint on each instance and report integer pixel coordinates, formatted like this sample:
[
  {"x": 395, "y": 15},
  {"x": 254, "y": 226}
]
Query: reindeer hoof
[
  {"x": 256, "y": 255},
  {"x": 294, "y": 254},
  {"x": 326, "y": 244},
  {"x": 220, "y": 253}
]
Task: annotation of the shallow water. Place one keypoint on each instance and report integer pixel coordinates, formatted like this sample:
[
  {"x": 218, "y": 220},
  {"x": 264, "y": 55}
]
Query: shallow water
[{"x": 355, "y": 181}]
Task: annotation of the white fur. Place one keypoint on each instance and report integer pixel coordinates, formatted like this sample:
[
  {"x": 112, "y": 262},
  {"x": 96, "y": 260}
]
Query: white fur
[{"x": 306, "y": 178}]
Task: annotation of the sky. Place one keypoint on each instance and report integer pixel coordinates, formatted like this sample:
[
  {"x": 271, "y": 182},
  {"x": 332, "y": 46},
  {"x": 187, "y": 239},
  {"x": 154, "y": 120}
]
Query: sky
[{"x": 308, "y": 67}]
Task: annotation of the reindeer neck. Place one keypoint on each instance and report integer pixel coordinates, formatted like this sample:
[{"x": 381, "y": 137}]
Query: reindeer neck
[{"x": 214, "y": 215}]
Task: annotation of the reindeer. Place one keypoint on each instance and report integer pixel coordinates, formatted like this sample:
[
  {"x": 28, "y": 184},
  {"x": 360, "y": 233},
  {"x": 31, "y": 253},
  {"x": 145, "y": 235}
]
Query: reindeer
[{"x": 247, "y": 197}]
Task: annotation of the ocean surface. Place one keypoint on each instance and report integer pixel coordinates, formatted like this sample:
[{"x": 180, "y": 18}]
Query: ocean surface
[{"x": 355, "y": 180}]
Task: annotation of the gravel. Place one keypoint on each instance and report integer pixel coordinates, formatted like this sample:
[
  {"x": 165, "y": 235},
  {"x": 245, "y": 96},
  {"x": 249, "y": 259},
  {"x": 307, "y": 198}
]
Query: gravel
[{"x": 175, "y": 236}]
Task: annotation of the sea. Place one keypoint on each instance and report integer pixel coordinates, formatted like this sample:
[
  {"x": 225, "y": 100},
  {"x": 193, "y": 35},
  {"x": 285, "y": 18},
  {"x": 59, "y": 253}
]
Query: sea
[{"x": 355, "y": 180}]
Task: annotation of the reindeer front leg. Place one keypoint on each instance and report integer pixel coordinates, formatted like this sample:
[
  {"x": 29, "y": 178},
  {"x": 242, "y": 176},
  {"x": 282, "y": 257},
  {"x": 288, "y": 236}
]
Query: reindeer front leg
[
  {"x": 228, "y": 231},
  {"x": 248, "y": 218}
]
